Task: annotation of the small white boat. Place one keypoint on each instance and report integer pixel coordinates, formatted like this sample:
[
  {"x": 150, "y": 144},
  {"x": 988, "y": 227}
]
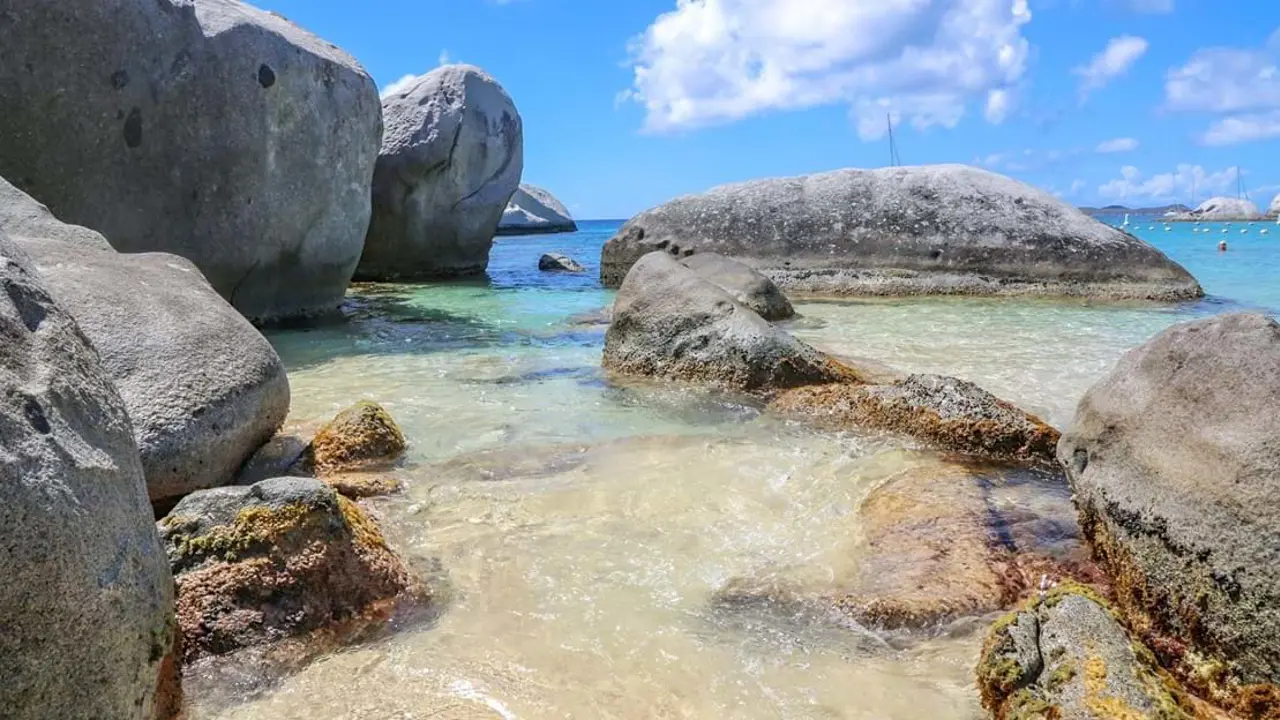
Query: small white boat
[
  {"x": 1244, "y": 231},
  {"x": 1263, "y": 231},
  {"x": 1224, "y": 232}
]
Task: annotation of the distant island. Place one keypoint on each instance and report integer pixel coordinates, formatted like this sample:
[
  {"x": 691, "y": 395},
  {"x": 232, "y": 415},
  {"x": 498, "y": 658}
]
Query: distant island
[{"x": 1119, "y": 209}]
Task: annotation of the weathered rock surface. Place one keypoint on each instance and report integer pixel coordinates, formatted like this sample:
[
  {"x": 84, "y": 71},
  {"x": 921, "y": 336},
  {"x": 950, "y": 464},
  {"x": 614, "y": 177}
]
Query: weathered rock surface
[
  {"x": 534, "y": 210},
  {"x": 929, "y": 545},
  {"x": 203, "y": 388},
  {"x": 1175, "y": 464},
  {"x": 1223, "y": 208},
  {"x": 944, "y": 412},
  {"x": 944, "y": 229},
  {"x": 87, "y": 599},
  {"x": 743, "y": 283},
  {"x": 451, "y": 157},
  {"x": 361, "y": 437},
  {"x": 555, "y": 262},
  {"x": 670, "y": 322},
  {"x": 212, "y": 130},
  {"x": 1067, "y": 657},
  {"x": 273, "y": 560},
  {"x": 1273, "y": 211}
]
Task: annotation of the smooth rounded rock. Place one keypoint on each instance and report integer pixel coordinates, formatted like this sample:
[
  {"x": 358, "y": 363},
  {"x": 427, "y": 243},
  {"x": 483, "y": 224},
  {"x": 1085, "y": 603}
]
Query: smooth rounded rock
[
  {"x": 274, "y": 560},
  {"x": 211, "y": 130},
  {"x": 943, "y": 229},
  {"x": 203, "y": 388},
  {"x": 86, "y": 602},
  {"x": 669, "y": 322},
  {"x": 361, "y": 437},
  {"x": 745, "y": 285},
  {"x": 1175, "y": 463},
  {"x": 1223, "y": 208},
  {"x": 451, "y": 158},
  {"x": 533, "y": 210},
  {"x": 555, "y": 262}
]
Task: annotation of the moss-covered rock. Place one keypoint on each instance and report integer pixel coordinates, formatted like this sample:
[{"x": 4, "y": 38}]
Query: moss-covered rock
[
  {"x": 944, "y": 412},
  {"x": 1065, "y": 656},
  {"x": 276, "y": 559},
  {"x": 362, "y": 437}
]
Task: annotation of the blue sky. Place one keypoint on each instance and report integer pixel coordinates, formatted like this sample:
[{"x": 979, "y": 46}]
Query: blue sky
[{"x": 627, "y": 103}]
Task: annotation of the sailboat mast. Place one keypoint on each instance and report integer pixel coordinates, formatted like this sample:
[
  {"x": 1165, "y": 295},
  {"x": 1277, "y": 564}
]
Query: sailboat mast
[{"x": 893, "y": 148}]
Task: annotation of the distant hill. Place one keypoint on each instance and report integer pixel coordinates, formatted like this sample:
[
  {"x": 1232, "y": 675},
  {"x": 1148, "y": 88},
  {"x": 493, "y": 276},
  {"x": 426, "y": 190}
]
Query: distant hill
[{"x": 1119, "y": 209}]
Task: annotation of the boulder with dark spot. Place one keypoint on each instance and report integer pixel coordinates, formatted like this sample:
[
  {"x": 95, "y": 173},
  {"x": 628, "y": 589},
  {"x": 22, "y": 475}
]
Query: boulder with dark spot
[
  {"x": 274, "y": 560},
  {"x": 944, "y": 412},
  {"x": 86, "y": 602},
  {"x": 1175, "y": 462},
  {"x": 670, "y": 322},
  {"x": 555, "y": 262},
  {"x": 942, "y": 229},
  {"x": 212, "y": 130},
  {"x": 745, "y": 284},
  {"x": 203, "y": 388},
  {"x": 1066, "y": 655},
  {"x": 451, "y": 158}
]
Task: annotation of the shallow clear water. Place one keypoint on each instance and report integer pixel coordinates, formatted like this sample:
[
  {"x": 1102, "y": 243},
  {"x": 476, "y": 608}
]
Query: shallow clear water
[{"x": 576, "y": 530}]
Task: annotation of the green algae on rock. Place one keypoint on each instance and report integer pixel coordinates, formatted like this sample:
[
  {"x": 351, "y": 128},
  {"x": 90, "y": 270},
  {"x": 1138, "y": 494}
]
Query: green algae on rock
[
  {"x": 1174, "y": 463},
  {"x": 1065, "y": 656},
  {"x": 273, "y": 560}
]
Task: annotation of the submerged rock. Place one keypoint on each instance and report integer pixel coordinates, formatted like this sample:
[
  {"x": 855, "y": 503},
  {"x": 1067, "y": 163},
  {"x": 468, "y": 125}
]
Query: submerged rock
[
  {"x": 1176, "y": 468},
  {"x": 1067, "y": 656},
  {"x": 1223, "y": 208},
  {"x": 944, "y": 412},
  {"x": 86, "y": 601},
  {"x": 944, "y": 229},
  {"x": 534, "y": 210},
  {"x": 451, "y": 157},
  {"x": 555, "y": 262},
  {"x": 745, "y": 285},
  {"x": 930, "y": 546},
  {"x": 212, "y": 130},
  {"x": 670, "y": 322},
  {"x": 203, "y": 388},
  {"x": 277, "y": 559}
]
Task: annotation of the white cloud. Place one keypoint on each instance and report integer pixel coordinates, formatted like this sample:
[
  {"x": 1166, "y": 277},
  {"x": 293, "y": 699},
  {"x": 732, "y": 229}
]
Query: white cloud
[
  {"x": 1176, "y": 186},
  {"x": 1076, "y": 187},
  {"x": 1151, "y": 6},
  {"x": 922, "y": 62},
  {"x": 1227, "y": 79},
  {"x": 1115, "y": 60},
  {"x": 1243, "y": 128},
  {"x": 1117, "y": 145},
  {"x": 444, "y": 58},
  {"x": 399, "y": 85}
]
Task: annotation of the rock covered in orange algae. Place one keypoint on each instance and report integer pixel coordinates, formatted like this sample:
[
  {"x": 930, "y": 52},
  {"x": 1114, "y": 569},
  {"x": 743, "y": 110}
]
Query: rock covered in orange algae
[
  {"x": 273, "y": 560},
  {"x": 945, "y": 412},
  {"x": 931, "y": 547},
  {"x": 362, "y": 437}
]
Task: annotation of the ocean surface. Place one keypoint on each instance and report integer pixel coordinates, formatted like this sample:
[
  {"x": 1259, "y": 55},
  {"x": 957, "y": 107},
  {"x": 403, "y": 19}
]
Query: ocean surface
[{"x": 574, "y": 530}]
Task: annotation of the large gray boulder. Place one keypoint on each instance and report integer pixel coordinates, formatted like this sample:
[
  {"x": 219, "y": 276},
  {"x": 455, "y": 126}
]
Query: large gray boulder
[
  {"x": 1175, "y": 462},
  {"x": 203, "y": 388},
  {"x": 1273, "y": 212},
  {"x": 944, "y": 229},
  {"x": 86, "y": 603},
  {"x": 745, "y": 284},
  {"x": 451, "y": 158},
  {"x": 669, "y": 322},
  {"x": 1223, "y": 208},
  {"x": 208, "y": 129},
  {"x": 534, "y": 210}
]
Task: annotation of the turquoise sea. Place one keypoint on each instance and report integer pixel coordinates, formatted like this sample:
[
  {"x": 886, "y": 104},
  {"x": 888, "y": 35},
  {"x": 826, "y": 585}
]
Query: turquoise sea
[{"x": 574, "y": 529}]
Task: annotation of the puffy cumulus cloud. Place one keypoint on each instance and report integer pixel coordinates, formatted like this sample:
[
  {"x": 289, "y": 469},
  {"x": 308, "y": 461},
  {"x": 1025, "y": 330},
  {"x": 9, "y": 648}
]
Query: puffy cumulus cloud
[
  {"x": 920, "y": 61},
  {"x": 1174, "y": 186},
  {"x": 1115, "y": 60},
  {"x": 1227, "y": 80},
  {"x": 1243, "y": 128},
  {"x": 399, "y": 85},
  {"x": 1117, "y": 145}
]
